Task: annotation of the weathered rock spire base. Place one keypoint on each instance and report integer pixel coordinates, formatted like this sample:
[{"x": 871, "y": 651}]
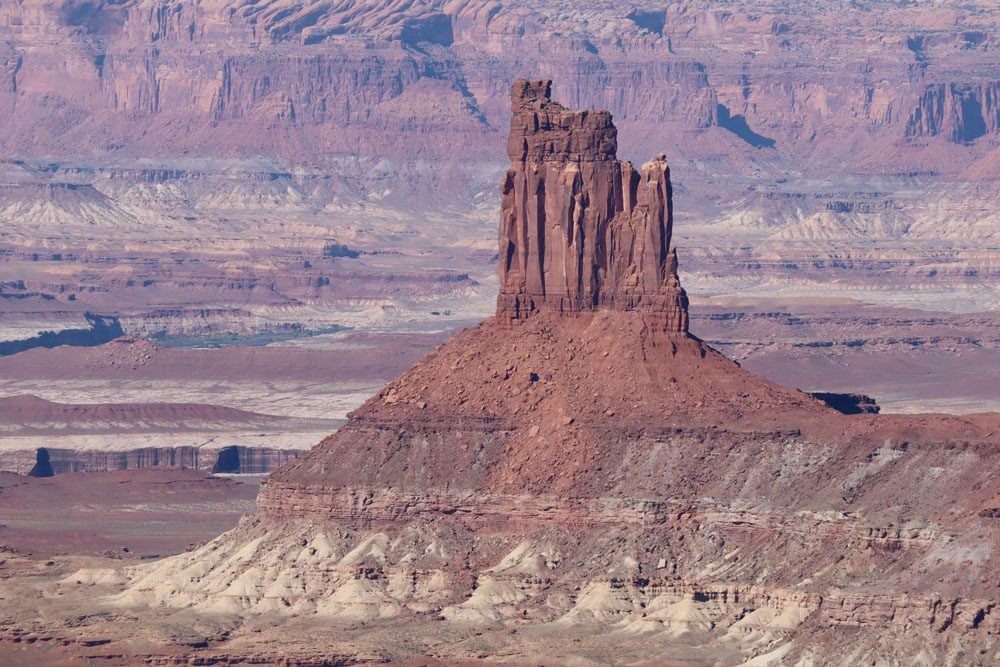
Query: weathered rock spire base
[{"x": 581, "y": 230}]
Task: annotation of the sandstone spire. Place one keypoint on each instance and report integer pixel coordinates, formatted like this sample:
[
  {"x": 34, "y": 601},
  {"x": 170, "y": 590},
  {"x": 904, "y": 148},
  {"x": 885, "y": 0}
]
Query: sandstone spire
[
  {"x": 600, "y": 474},
  {"x": 580, "y": 229}
]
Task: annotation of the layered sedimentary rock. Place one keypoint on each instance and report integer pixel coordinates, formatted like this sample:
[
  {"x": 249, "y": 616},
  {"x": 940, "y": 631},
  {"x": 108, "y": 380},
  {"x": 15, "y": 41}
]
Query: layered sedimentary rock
[
  {"x": 579, "y": 228},
  {"x": 93, "y": 458},
  {"x": 324, "y": 70},
  {"x": 962, "y": 112},
  {"x": 583, "y": 473},
  {"x": 39, "y": 436}
]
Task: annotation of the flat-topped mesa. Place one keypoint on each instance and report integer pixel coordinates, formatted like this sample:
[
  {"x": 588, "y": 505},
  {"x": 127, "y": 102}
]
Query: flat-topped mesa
[{"x": 580, "y": 230}]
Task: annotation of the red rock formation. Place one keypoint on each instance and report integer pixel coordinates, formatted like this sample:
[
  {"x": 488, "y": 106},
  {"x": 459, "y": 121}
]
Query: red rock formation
[
  {"x": 131, "y": 116},
  {"x": 580, "y": 229},
  {"x": 595, "y": 466}
]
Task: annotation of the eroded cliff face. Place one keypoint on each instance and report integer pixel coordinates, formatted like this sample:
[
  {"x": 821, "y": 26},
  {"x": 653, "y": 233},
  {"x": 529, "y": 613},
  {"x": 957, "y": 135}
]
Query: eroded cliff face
[
  {"x": 65, "y": 438},
  {"x": 961, "y": 112},
  {"x": 232, "y": 459},
  {"x": 385, "y": 78},
  {"x": 579, "y": 228}
]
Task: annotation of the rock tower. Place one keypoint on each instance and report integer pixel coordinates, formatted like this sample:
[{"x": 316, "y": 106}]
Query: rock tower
[
  {"x": 580, "y": 229},
  {"x": 581, "y": 471}
]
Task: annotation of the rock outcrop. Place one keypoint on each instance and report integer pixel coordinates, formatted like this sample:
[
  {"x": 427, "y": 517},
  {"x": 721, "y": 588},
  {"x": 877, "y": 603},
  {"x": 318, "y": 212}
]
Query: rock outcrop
[
  {"x": 849, "y": 404},
  {"x": 579, "y": 228},
  {"x": 580, "y": 471}
]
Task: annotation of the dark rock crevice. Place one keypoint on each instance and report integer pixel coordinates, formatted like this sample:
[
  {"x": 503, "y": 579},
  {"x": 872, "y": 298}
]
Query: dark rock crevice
[{"x": 228, "y": 460}]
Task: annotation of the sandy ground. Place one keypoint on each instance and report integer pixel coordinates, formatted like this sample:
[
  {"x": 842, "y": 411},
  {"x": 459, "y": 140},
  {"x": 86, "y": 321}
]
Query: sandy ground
[{"x": 149, "y": 513}]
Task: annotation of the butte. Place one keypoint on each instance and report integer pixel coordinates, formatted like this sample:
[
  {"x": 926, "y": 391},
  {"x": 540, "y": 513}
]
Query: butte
[{"x": 580, "y": 479}]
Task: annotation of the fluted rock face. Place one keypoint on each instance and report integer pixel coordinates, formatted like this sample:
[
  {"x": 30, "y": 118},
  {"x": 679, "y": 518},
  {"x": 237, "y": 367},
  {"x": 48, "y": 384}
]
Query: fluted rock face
[
  {"x": 581, "y": 230},
  {"x": 960, "y": 112}
]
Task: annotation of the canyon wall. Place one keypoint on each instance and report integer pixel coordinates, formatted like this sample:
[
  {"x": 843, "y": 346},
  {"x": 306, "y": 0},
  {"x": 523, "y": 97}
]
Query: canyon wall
[
  {"x": 233, "y": 459},
  {"x": 44, "y": 438},
  {"x": 304, "y": 82},
  {"x": 236, "y": 459}
]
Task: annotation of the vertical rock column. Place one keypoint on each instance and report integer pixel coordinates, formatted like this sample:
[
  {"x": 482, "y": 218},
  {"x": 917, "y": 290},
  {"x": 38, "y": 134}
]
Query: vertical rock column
[{"x": 580, "y": 230}]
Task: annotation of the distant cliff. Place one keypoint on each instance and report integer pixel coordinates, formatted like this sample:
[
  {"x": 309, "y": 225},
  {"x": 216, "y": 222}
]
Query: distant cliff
[{"x": 303, "y": 80}]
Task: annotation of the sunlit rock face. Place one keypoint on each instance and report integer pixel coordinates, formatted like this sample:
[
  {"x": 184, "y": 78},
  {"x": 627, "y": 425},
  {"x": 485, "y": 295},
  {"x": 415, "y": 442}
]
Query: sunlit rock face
[{"x": 579, "y": 228}]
